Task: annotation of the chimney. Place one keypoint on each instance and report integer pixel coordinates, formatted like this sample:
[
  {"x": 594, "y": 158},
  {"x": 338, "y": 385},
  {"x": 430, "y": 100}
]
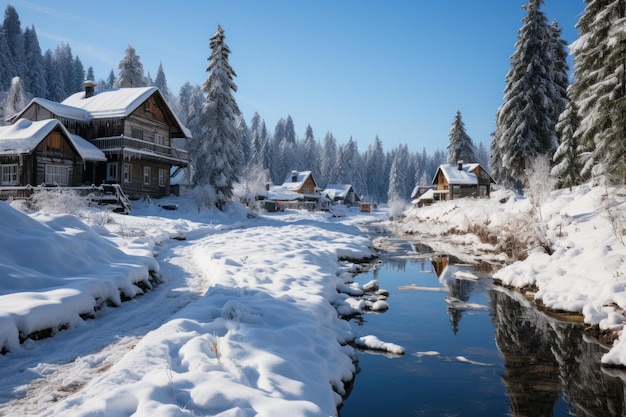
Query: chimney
[
  {"x": 460, "y": 165},
  {"x": 294, "y": 176},
  {"x": 90, "y": 87}
]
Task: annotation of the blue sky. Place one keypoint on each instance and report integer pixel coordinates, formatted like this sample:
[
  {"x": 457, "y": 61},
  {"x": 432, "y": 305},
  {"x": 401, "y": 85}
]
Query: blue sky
[{"x": 398, "y": 69}]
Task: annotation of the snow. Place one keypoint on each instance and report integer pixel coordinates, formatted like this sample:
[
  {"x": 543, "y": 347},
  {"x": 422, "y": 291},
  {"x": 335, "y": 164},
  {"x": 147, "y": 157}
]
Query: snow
[
  {"x": 245, "y": 321},
  {"x": 237, "y": 314},
  {"x": 585, "y": 274},
  {"x": 454, "y": 175},
  {"x": 24, "y": 135}
]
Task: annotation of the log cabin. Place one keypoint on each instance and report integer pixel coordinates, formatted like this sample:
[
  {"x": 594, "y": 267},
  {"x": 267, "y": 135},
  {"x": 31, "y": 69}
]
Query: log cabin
[
  {"x": 133, "y": 127},
  {"x": 45, "y": 153},
  {"x": 461, "y": 180}
]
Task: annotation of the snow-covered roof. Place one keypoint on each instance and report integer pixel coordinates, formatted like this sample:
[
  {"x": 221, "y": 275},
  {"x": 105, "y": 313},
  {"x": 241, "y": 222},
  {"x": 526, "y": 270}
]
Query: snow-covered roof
[
  {"x": 454, "y": 175},
  {"x": 23, "y": 136},
  {"x": 116, "y": 102},
  {"x": 280, "y": 193},
  {"x": 300, "y": 178},
  {"x": 334, "y": 191}
]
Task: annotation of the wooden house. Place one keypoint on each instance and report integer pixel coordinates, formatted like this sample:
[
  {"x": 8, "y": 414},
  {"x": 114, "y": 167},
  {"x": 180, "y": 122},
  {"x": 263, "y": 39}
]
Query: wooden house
[
  {"x": 133, "y": 127},
  {"x": 342, "y": 193},
  {"x": 45, "y": 153},
  {"x": 461, "y": 180},
  {"x": 303, "y": 183}
]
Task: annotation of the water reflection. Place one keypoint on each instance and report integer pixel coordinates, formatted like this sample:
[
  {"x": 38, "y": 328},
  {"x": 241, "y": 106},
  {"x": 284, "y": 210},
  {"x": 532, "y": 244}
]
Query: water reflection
[
  {"x": 538, "y": 365},
  {"x": 545, "y": 359}
]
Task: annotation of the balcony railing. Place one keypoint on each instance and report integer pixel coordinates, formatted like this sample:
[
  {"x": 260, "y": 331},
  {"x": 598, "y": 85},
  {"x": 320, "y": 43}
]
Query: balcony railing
[{"x": 120, "y": 142}]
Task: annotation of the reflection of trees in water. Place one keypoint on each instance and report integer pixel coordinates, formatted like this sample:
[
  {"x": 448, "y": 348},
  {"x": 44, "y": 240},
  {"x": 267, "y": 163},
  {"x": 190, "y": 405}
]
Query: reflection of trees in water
[{"x": 544, "y": 358}]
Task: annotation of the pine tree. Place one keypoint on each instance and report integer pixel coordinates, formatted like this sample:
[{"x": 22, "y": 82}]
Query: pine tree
[
  {"x": 460, "y": 146},
  {"x": 567, "y": 159},
  {"x": 525, "y": 121},
  {"x": 12, "y": 28},
  {"x": 35, "y": 76},
  {"x": 6, "y": 69},
  {"x": 110, "y": 82},
  {"x": 328, "y": 159},
  {"x": 90, "y": 75},
  {"x": 54, "y": 78},
  {"x": 397, "y": 175},
  {"x": 161, "y": 83},
  {"x": 599, "y": 88},
  {"x": 310, "y": 152},
  {"x": 131, "y": 70},
  {"x": 217, "y": 156},
  {"x": 374, "y": 172}
]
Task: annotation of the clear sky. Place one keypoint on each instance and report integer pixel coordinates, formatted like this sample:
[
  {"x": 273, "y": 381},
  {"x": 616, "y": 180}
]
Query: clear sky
[{"x": 399, "y": 69}]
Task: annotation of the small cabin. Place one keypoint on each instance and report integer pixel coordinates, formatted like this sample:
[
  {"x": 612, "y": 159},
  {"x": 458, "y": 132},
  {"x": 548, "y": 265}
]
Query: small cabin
[
  {"x": 462, "y": 180},
  {"x": 342, "y": 193},
  {"x": 45, "y": 153}
]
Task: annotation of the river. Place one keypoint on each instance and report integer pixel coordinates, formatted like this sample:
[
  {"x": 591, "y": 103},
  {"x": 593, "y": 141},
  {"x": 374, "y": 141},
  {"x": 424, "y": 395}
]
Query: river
[{"x": 472, "y": 349}]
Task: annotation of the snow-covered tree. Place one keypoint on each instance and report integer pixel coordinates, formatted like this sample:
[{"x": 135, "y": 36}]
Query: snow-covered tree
[
  {"x": 54, "y": 78},
  {"x": 217, "y": 153},
  {"x": 460, "y": 145},
  {"x": 310, "y": 152},
  {"x": 14, "y": 38},
  {"x": 35, "y": 75},
  {"x": 525, "y": 121},
  {"x": 567, "y": 159},
  {"x": 15, "y": 99},
  {"x": 599, "y": 87},
  {"x": 131, "y": 70},
  {"x": 375, "y": 172},
  {"x": 328, "y": 159},
  {"x": 161, "y": 83},
  {"x": 397, "y": 175},
  {"x": 110, "y": 82},
  {"x": 90, "y": 74}
]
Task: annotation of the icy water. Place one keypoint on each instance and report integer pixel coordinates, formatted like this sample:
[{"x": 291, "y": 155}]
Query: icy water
[{"x": 474, "y": 350}]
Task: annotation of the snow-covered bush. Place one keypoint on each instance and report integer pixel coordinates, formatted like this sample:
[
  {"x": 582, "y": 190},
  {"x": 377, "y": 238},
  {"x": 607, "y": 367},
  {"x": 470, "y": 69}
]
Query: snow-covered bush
[
  {"x": 538, "y": 183},
  {"x": 58, "y": 201},
  {"x": 397, "y": 208}
]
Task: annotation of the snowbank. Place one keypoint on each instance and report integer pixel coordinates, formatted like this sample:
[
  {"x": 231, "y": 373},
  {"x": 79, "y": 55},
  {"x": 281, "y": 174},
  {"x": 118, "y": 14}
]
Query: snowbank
[
  {"x": 55, "y": 269},
  {"x": 265, "y": 339},
  {"x": 586, "y": 273}
]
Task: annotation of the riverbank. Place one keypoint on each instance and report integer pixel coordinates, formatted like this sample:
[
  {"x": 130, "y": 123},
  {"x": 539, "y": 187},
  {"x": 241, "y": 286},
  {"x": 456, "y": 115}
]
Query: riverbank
[{"x": 583, "y": 271}]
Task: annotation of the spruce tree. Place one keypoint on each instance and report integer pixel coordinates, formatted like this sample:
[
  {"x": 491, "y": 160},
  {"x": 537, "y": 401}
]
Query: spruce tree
[
  {"x": 161, "y": 83},
  {"x": 131, "y": 70},
  {"x": 35, "y": 76},
  {"x": 599, "y": 88},
  {"x": 460, "y": 146},
  {"x": 217, "y": 155},
  {"x": 567, "y": 158},
  {"x": 310, "y": 160},
  {"x": 12, "y": 28},
  {"x": 525, "y": 121},
  {"x": 374, "y": 172}
]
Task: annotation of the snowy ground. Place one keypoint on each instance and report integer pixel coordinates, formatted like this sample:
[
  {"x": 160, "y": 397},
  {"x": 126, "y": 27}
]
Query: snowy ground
[
  {"x": 586, "y": 273},
  {"x": 238, "y": 315},
  {"x": 241, "y": 321}
]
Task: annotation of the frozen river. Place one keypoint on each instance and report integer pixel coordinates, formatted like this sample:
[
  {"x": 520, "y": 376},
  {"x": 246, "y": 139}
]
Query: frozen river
[{"x": 473, "y": 349}]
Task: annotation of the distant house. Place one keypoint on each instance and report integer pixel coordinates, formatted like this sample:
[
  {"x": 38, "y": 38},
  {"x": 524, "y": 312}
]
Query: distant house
[
  {"x": 133, "y": 127},
  {"x": 461, "y": 180},
  {"x": 45, "y": 153},
  {"x": 342, "y": 193},
  {"x": 303, "y": 184}
]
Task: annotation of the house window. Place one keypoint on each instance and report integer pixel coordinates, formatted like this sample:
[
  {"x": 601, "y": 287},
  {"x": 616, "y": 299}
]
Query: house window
[
  {"x": 57, "y": 174},
  {"x": 456, "y": 191},
  {"x": 128, "y": 173},
  {"x": 112, "y": 171},
  {"x": 482, "y": 191},
  {"x": 136, "y": 133},
  {"x": 146, "y": 175},
  {"x": 161, "y": 178},
  {"x": 9, "y": 174},
  {"x": 159, "y": 139}
]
